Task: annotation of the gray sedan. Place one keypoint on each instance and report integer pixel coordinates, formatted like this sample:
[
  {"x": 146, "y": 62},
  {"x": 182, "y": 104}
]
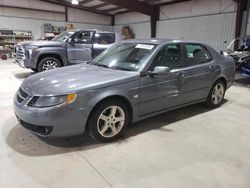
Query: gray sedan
[{"x": 129, "y": 82}]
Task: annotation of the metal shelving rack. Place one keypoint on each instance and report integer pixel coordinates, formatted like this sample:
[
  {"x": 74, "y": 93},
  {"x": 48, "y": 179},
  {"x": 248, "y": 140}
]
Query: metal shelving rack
[{"x": 9, "y": 38}]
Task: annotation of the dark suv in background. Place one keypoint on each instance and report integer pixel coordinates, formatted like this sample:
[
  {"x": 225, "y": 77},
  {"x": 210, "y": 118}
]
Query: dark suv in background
[{"x": 70, "y": 47}]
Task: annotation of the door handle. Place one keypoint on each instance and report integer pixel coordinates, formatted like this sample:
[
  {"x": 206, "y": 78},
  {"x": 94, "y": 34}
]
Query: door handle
[
  {"x": 212, "y": 67},
  {"x": 181, "y": 74}
]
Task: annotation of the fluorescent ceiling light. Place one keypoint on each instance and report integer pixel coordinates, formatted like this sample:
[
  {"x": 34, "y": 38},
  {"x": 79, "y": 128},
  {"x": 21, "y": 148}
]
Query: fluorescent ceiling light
[{"x": 74, "y": 2}]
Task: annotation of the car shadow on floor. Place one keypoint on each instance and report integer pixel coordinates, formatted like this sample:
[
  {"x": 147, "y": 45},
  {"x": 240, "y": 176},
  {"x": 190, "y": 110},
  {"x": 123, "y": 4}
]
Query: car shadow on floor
[
  {"x": 23, "y": 75},
  {"x": 27, "y": 143}
]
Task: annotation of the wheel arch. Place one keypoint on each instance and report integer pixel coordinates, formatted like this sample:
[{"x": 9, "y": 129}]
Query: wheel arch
[
  {"x": 222, "y": 78},
  {"x": 50, "y": 54},
  {"x": 115, "y": 97}
]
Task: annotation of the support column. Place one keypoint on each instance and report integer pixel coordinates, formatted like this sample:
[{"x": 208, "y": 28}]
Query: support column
[
  {"x": 241, "y": 5},
  {"x": 66, "y": 14},
  {"x": 153, "y": 20}
]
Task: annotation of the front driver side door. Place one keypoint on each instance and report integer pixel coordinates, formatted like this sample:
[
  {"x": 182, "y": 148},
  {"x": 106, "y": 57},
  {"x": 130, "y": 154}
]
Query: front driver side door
[
  {"x": 161, "y": 92},
  {"x": 80, "y": 50}
]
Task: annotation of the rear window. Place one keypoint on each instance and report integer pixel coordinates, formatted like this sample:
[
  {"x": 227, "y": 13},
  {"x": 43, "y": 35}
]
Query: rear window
[
  {"x": 104, "y": 38},
  {"x": 197, "y": 54}
]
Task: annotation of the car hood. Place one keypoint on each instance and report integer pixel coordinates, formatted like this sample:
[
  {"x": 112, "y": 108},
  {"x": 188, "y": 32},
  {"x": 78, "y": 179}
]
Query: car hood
[
  {"x": 41, "y": 43},
  {"x": 77, "y": 78}
]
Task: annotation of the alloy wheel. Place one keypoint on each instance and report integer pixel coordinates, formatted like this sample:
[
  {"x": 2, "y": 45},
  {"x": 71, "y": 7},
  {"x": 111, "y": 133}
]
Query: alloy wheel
[
  {"x": 50, "y": 64},
  {"x": 218, "y": 93},
  {"x": 111, "y": 121}
]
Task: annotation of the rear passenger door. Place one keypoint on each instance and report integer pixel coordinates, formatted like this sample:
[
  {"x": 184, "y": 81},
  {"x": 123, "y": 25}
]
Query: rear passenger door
[{"x": 198, "y": 72}]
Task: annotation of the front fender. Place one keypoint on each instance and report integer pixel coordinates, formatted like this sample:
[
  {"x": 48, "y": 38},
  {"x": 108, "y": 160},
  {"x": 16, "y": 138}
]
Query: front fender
[
  {"x": 51, "y": 51},
  {"x": 129, "y": 91}
]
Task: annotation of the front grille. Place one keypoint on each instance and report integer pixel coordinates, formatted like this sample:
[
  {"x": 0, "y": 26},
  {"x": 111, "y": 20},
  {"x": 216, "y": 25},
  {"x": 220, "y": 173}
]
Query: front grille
[
  {"x": 19, "y": 99},
  {"x": 42, "y": 130},
  {"x": 21, "y": 95},
  {"x": 20, "y": 53}
]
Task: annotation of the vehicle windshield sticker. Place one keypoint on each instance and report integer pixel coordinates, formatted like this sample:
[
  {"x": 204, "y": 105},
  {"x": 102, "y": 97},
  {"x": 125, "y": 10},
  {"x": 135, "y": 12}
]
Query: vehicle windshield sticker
[{"x": 145, "y": 46}]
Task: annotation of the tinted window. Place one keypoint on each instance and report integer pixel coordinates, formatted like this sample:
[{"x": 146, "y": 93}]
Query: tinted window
[
  {"x": 104, "y": 38},
  {"x": 196, "y": 54},
  {"x": 169, "y": 56},
  {"x": 84, "y": 37}
]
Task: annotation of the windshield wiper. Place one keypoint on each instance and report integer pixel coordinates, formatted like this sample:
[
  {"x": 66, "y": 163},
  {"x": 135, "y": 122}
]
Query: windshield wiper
[
  {"x": 102, "y": 65},
  {"x": 120, "y": 68},
  {"x": 89, "y": 62},
  {"x": 113, "y": 67}
]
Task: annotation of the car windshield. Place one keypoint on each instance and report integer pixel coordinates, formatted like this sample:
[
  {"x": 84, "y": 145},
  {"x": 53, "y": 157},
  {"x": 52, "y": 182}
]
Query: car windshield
[
  {"x": 63, "y": 36},
  {"x": 125, "y": 56}
]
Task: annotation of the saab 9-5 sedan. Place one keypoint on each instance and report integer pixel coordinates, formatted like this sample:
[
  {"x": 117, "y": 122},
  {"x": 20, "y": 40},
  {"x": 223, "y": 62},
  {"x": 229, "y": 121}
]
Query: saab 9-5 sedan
[{"x": 131, "y": 81}]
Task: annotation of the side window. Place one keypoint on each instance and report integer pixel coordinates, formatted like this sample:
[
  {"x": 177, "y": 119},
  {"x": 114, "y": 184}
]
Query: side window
[
  {"x": 84, "y": 37},
  {"x": 196, "y": 54},
  {"x": 169, "y": 56},
  {"x": 104, "y": 38}
]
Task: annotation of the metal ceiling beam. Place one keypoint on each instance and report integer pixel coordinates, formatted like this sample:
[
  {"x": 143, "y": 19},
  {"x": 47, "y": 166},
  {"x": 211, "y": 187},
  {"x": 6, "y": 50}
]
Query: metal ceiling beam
[
  {"x": 151, "y": 1},
  {"x": 34, "y": 9},
  {"x": 77, "y": 7},
  {"x": 141, "y": 7},
  {"x": 134, "y": 5},
  {"x": 100, "y": 5},
  {"x": 122, "y": 12},
  {"x": 85, "y": 2},
  {"x": 113, "y": 9},
  {"x": 172, "y": 2}
]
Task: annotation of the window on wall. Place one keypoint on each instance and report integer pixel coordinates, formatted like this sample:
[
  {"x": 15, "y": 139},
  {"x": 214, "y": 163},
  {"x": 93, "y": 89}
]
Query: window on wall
[
  {"x": 169, "y": 56},
  {"x": 196, "y": 54}
]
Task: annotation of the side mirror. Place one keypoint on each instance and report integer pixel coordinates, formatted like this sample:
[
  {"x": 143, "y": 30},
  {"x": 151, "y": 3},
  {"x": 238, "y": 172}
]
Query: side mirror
[
  {"x": 71, "y": 41},
  {"x": 159, "y": 70}
]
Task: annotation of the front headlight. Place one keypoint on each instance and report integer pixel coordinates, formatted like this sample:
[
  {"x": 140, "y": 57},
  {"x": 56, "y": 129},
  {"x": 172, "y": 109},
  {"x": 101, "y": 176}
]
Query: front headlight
[
  {"x": 30, "y": 49},
  {"x": 52, "y": 101},
  {"x": 33, "y": 47}
]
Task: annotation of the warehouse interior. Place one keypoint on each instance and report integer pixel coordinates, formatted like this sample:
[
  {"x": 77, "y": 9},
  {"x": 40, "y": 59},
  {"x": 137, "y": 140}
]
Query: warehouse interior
[{"x": 193, "y": 146}]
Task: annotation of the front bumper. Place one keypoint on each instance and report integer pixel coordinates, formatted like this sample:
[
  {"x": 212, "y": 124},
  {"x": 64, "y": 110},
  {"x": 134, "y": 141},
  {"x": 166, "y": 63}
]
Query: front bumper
[
  {"x": 25, "y": 63},
  {"x": 58, "y": 121},
  {"x": 22, "y": 58}
]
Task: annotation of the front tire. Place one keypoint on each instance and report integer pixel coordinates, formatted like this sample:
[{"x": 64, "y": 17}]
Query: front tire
[
  {"x": 108, "y": 121},
  {"x": 48, "y": 63},
  {"x": 216, "y": 95}
]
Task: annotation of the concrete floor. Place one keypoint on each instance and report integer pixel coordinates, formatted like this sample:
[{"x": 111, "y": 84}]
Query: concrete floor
[{"x": 192, "y": 147}]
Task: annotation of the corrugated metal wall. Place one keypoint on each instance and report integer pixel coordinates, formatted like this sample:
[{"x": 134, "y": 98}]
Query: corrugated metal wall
[
  {"x": 141, "y": 30},
  {"x": 217, "y": 30},
  {"x": 36, "y": 26}
]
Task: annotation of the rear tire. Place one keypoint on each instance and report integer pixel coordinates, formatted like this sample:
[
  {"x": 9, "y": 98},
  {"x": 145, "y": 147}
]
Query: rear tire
[
  {"x": 48, "y": 63},
  {"x": 108, "y": 121},
  {"x": 216, "y": 95}
]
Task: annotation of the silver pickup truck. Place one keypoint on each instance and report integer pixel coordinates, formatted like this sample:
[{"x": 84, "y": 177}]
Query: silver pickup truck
[{"x": 69, "y": 48}]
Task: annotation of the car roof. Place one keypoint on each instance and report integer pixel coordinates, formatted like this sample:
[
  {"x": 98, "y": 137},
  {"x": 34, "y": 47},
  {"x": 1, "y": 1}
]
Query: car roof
[
  {"x": 97, "y": 31},
  {"x": 157, "y": 41}
]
